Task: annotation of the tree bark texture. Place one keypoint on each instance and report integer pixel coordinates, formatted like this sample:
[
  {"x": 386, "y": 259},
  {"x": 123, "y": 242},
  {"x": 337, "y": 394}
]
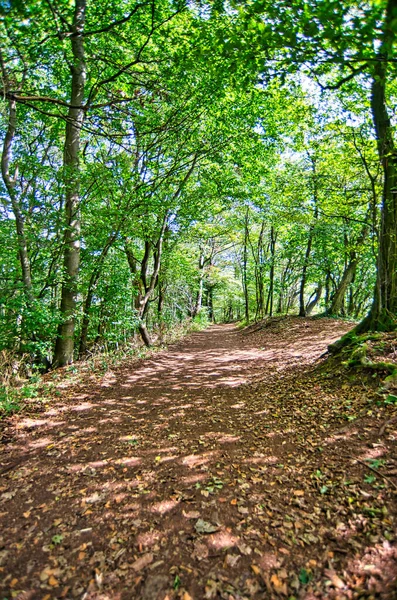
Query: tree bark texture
[
  {"x": 383, "y": 314},
  {"x": 199, "y": 298},
  {"x": 245, "y": 262},
  {"x": 64, "y": 347},
  {"x": 144, "y": 286},
  {"x": 314, "y": 300},
  {"x": 302, "y": 305},
  {"x": 10, "y": 183},
  {"x": 269, "y": 301},
  {"x": 347, "y": 277},
  {"x": 90, "y": 293}
]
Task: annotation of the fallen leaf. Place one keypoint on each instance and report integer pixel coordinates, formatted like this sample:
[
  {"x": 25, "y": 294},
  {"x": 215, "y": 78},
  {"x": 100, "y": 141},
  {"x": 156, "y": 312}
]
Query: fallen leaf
[
  {"x": 205, "y": 527},
  {"x": 244, "y": 549},
  {"x": 142, "y": 562},
  {"x": 192, "y": 514},
  {"x": 44, "y": 575},
  {"x": 200, "y": 551},
  {"x": 335, "y": 579},
  {"x": 231, "y": 560},
  {"x": 279, "y": 586},
  {"x": 282, "y": 573}
]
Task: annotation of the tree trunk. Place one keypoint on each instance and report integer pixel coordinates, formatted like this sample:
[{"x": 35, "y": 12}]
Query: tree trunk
[
  {"x": 339, "y": 296},
  {"x": 10, "y": 183},
  {"x": 337, "y": 303},
  {"x": 314, "y": 300},
  {"x": 145, "y": 288},
  {"x": 199, "y": 299},
  {"x": 259, "y": 267},
  {"x": 269, "y": 302},
  {"x": 64, "y": 347},
  {"x": 302, "y": 305},
  {"x": 383, "y": 314},
  {"x": 160, "y": 303},
  {"x": 245, "y": 261},
  {"x": 90, "y": 294},
  {"x": 145, "y": 334},
  {"x": 283, "y": 282},
  {"x": 210, "y": 303},
  {"x": 327, "y": 289}
]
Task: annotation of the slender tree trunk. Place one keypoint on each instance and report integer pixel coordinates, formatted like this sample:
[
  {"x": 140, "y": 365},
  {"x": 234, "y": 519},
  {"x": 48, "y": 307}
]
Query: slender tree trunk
[
  {"x": 245, "y": 262},
  {"x": 144, "y": 288},
  {"x": 327, "y": 290},
  {"x": 145, "y": 334},
  {"x": 302, "y": 305},
  {"x": 339, "y": 296},
  {"x": 259, "y": 265},
  {"x": 314, "y": 300},
  {"x": 160, "y": 302},
  {"x": 351, "y": 303},
  {"x": 10, "y": 183},
  {"x": 64, "y": 347},
  {"x": 210, "y": 303},
  {"x": 269, "y": 302},
  {"x": 90, "y": 294},
  {"x": 347, "y": 277},
  {"x": 199, "y": 299},
  {"x": 283, "y": 281}
]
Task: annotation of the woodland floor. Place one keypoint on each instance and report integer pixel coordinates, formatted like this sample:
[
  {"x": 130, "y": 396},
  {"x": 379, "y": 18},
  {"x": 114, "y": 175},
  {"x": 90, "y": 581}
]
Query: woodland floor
[{"x": 232, "y": 465}]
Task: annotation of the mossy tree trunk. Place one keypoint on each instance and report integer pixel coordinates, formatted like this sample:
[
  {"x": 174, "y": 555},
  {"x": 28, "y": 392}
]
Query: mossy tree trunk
[{"x": 383, "y": 314}]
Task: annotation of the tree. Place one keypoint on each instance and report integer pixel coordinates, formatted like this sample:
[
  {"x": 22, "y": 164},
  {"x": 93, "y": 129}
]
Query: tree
[{"x": 64, "y": 347}]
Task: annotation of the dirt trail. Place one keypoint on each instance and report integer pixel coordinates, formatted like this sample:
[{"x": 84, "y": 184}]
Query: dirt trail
[{"x": 224, "y": 467}]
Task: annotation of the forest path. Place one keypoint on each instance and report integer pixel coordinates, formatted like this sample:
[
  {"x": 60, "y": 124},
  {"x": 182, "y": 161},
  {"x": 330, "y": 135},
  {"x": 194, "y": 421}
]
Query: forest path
[{"x": 223, "y": 467}]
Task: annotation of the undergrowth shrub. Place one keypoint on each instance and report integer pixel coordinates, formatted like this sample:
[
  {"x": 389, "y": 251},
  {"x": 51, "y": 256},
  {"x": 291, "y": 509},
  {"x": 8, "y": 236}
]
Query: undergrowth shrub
[{"x": 200, "y": 321}]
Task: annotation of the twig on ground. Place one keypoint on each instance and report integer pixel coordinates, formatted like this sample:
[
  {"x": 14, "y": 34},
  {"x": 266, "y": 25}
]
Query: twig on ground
[
  {"x": 385, "y": 424},
  {"x": 377, "y": 472}
]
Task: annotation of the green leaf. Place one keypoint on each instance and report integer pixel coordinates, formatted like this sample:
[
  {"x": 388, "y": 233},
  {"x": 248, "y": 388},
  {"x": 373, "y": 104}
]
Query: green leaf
[
  {"x": 177, "y": 582},
  {"x": 57, "y": 539},
  {"x": 391, "y": 399},
  {"x": 375, "y": 463},
  {"x": 369, "y": 478},
  {"x": 305, "y": 576}
]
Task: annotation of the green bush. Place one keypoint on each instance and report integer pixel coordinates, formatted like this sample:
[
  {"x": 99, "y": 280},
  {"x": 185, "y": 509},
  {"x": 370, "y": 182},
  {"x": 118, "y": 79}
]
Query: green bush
[
  {"x": 200, "y": 321},
  {"x": 9, "y": 401}
]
